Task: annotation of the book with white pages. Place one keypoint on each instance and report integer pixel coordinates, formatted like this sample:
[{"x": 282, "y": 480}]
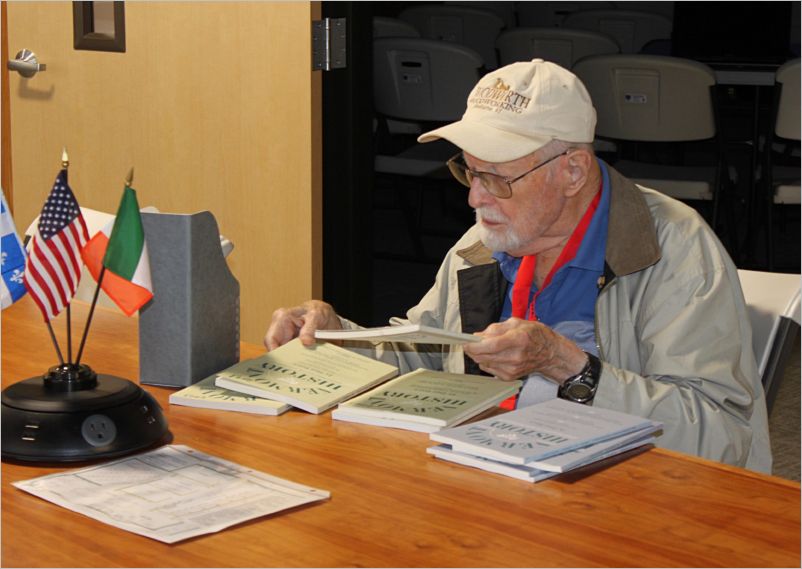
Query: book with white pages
[
  {"x": 409, "y": 333},
  {"x": 539, "y": 431},
  {"x": 426, "y": 400},
  {"x": 312, "y": 378},
  {"x": 574, "y": 458},
  {"x": 522, "y": 472},
  {"x": 384, "y": 422},
  {"x": 206, "y": 395}
]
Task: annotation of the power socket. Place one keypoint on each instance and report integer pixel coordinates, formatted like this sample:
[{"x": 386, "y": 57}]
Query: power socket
[{"x": 98, "y": 430}]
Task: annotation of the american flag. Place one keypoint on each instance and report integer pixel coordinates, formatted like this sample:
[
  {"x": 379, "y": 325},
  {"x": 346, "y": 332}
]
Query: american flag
[{"x": 54, "y": 261}]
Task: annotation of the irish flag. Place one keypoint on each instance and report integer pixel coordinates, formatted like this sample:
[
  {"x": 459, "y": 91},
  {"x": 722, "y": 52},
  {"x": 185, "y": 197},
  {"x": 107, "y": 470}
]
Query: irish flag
[{"x": 120, "y": 247}]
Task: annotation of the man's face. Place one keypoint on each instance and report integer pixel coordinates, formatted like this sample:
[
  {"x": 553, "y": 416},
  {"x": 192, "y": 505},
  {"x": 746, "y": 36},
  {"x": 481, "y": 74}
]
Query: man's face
[{"x": 524, "y": 223}]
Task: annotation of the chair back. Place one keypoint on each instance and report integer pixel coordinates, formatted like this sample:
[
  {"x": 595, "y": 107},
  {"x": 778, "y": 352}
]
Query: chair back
[
  {"x": 788, "y": 115},
  {"x": 631, "y": 29},
  {"x": 562, "y": 46},
  {"x": 393, "y": 28},
  {"x": 503, "y": 9},
  {"x": 552, "y": 14},
  {"x": 423, "y": 80},
  {"x": 650, "y": 97},
  {"x": 773, "y": 305},
  {"x": 463, "y": 25}
]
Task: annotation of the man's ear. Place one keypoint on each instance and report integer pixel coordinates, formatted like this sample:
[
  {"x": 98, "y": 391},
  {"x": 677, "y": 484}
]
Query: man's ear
[{"x": 577, "y": 170}]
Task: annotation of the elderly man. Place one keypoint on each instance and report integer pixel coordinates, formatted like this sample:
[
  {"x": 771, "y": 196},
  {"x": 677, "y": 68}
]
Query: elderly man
[{"x": 592, "y": 288}]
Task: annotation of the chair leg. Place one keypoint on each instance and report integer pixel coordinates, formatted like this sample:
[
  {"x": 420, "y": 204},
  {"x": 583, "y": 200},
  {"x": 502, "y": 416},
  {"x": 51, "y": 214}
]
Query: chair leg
[{"x": 770, "y": 234}]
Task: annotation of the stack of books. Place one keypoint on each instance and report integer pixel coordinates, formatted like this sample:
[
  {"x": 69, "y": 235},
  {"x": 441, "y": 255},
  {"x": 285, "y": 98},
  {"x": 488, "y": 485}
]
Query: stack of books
[
  {"x": 543, "y": 440},
  {"x": 426, "y": 401}
]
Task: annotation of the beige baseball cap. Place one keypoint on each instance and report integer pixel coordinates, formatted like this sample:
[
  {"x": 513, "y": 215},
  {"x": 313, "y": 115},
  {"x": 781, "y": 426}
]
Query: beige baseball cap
[{"x": 518, "y": 109}]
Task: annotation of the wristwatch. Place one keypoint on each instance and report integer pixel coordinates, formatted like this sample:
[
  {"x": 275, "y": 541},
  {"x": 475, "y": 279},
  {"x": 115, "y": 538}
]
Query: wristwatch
[{"x": 581, "y": 388}]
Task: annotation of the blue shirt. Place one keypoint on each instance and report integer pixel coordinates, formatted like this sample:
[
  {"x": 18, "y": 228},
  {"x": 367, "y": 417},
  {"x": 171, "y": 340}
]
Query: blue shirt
[{"x": 568, "y": 303}]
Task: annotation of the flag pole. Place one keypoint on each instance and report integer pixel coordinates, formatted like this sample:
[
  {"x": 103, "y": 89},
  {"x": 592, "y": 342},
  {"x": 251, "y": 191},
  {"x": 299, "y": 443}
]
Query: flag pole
[
  {"x": 55, "y": 343},
  {"x": 128, "y": 181},
  {"x": 91, "y": 313},
  {"x": 65, "y": 164}
]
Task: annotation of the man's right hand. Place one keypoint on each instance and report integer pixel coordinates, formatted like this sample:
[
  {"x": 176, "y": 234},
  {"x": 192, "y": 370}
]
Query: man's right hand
[{"x": 300, "y": 321}]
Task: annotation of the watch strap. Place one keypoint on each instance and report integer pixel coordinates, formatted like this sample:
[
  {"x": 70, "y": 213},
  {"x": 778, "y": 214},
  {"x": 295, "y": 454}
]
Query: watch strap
[{"x": 581, "y": 388}]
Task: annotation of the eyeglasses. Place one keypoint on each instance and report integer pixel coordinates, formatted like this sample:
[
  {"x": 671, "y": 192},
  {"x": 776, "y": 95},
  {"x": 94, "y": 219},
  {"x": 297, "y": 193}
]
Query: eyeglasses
[{"x": 498, "y": 186}]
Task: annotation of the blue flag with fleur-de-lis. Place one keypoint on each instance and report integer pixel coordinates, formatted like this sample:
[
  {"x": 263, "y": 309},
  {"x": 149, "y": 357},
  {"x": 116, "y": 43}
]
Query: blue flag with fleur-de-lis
[{"x": 12, "y": 256}]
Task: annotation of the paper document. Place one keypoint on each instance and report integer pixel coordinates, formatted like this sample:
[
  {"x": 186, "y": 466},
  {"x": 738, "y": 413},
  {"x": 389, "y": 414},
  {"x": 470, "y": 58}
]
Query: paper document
[
  {"x": 410, "y": 333},
  {"x": 171, "y": 493}
]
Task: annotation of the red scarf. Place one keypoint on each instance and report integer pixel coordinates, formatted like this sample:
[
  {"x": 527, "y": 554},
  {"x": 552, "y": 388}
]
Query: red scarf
[{"x": 521, "y": 307}]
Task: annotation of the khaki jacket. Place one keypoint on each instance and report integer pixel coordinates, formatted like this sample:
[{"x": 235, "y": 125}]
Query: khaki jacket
[{"x": 671, "y": 327}]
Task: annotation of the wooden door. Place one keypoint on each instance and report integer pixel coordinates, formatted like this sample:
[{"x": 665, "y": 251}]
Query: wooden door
[{"x": 216, "y": 107}]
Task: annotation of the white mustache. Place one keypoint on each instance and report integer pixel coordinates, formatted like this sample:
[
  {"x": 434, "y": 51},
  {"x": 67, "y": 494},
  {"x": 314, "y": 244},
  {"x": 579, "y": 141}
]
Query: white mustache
[{"x": 486, "y": 214}]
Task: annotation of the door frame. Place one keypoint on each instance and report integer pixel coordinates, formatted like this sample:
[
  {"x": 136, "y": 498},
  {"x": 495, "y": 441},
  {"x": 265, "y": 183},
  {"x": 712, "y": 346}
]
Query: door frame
[{"x": 348, "y": 167}]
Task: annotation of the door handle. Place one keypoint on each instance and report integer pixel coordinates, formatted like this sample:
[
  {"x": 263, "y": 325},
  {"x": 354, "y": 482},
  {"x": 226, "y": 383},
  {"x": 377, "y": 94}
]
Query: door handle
[{"x": 26, "y": 64}]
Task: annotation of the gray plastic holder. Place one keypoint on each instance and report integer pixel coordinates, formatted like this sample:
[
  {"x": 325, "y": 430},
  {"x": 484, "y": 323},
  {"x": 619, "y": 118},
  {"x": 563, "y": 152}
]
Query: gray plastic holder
[{"x": 190, "y": 329}]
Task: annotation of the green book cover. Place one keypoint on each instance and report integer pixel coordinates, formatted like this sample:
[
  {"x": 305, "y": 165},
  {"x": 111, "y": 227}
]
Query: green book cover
[
  {"x": 310, "y": 378},
  {"x": 205, "y": 394},
  {"x": 430, "y": 397}
]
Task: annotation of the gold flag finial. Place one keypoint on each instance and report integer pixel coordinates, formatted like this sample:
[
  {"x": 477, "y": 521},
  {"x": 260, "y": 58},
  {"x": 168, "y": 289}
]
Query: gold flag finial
[
  {"x": 65, "y": 160},
  {"x": 129, "y": 179}
]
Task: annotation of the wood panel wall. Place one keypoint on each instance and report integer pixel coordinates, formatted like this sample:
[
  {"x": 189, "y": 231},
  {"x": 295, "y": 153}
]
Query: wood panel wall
[{"x": 215, "y": 106}]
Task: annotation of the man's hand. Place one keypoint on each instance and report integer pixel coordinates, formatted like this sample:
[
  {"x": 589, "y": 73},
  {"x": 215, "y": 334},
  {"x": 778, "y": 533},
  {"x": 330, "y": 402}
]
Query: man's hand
[
  {"x": 515, "y": 348},
  {"x": 300, "y": 321}
]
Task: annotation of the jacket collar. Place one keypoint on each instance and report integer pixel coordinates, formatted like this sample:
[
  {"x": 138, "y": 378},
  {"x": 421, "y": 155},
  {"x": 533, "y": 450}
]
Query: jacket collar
[{"x": 631, "y": 238}]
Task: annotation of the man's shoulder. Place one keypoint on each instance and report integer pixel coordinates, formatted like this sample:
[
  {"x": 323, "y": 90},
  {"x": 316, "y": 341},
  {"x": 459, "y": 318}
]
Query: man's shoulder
[
  {"x": 670, "y": 214},
  {"x": 686, "y": 240}
]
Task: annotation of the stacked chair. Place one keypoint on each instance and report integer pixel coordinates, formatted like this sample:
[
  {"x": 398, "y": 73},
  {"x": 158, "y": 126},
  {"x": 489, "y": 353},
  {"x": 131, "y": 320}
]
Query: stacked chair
[
  {"x": 472, "y": 27},
  {"x": 562, "y": 46},
  {"x": 655, "y": 109},
  {"x": 426, "y": 83},
  {"x": 781, "y": 181},
  {"x": 553, "y": 14},
  {"x": 631, "y": 29}
]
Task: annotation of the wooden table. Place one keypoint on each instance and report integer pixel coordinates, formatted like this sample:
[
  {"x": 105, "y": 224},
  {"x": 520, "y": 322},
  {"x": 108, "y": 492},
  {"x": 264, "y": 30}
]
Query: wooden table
[{"x": 391, "y": 503}]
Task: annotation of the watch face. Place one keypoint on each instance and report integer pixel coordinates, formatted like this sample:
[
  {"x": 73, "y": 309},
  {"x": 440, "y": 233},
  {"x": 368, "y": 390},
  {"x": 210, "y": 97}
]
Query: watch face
[{"x": 579, "y": 391}]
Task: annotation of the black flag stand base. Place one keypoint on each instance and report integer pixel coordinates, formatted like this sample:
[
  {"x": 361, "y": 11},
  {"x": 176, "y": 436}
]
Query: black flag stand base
[{"x": 72, "y": 414}]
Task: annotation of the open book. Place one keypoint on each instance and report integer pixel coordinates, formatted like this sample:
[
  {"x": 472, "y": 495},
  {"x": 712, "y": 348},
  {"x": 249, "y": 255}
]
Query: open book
[
  {"x": 312, "y": 378},
  {"x": 410, "y": 333},
  {"x": 426, "y": 401}
]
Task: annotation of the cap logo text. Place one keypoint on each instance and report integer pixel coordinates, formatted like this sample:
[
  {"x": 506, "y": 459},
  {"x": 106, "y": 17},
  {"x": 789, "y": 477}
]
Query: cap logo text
[{"x": 498, "y": 98}]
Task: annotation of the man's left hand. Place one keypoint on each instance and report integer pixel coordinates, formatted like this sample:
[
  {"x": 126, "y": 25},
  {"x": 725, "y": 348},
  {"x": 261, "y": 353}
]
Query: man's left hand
[{"x": 515, "y": 348}]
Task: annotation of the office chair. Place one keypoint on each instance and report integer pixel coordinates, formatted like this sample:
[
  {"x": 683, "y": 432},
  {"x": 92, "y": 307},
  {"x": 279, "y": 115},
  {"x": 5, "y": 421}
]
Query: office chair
[
  {"x": 552, "y": 14},
  {"x": 562, "y": 46},
  {"x": 632, "y": 30},
  {"x": 463, "y": 25},
  {"x": 773, "y": 305},
  {"x": 393, "y": 28},
  {"x": 782, "y": 182},
  {"x": 647, "y": 104},
  {"x": 425, "y": 82}
]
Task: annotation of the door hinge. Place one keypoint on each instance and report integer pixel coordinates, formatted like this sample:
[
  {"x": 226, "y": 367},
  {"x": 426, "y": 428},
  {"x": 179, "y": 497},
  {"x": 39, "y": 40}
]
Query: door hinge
[{"x": 328, "y": 44}]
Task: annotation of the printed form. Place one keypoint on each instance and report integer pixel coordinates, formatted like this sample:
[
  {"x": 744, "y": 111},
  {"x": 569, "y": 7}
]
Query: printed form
[{"x": 172, "y": 493}]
